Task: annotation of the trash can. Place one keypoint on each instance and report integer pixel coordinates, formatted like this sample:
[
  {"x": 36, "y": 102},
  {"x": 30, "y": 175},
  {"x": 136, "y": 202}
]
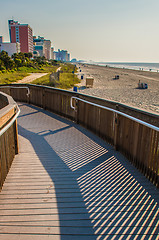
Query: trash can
[
  {"x": 145, "y": 85},
  {"x": 75, "y": 89},
  {"x": 116, "y": 76}
]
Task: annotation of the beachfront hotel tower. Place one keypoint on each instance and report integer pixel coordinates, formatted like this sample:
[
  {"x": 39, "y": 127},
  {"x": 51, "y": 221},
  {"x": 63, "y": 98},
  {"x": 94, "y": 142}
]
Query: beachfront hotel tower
[
  {"x": 21, "y": 33},
  {"x": 42, "y": 47}
]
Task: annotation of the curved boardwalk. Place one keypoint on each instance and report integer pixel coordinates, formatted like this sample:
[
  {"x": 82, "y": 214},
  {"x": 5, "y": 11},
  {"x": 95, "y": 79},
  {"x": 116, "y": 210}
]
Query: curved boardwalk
[{"x": 68, "y": 184}]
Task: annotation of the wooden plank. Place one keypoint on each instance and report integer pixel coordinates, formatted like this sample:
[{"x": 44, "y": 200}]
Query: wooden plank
[
  {"x": 55, "y": 189},
  {"x": 74, "y": 231},
  {"x": 29, "y": 237},
  {"x": 6, "y": 117}
]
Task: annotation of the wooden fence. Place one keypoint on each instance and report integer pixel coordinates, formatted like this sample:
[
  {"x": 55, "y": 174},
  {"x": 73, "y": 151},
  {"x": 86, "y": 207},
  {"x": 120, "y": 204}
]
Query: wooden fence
[
  {"x": 3, "y": 101},
  {"x": 116, "y": 123},
  {"x": 137, "y": 140},
  {"x": 8, "y": 134}
]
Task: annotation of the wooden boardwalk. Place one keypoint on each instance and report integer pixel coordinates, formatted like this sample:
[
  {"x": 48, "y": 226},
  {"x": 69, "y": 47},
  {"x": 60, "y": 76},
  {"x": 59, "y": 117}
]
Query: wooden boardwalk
[{"x": 66, "y": 183}]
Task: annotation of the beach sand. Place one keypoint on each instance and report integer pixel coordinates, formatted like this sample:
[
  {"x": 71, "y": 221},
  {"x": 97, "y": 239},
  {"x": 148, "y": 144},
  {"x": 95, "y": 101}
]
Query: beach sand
[{"x": 123, "y": 90}]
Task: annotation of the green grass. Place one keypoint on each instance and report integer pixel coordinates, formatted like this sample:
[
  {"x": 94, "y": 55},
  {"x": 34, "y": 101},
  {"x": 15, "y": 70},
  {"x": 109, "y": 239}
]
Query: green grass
[
  {"x": 67, "y": 80},
  {"x": 68, "y": 68},
  {"x": 7, "y": 78},
  {"x": 10, "y": 77},
  {"x": 50, "y": 69},
  {"x": 43, "y": 69},
  {"x": 45, "y": 80}
]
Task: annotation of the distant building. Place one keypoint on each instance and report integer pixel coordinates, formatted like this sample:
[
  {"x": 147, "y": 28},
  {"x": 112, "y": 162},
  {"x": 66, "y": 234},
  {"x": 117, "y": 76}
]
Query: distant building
[
  {"x": 1, "y": 39},
  {"x": 10, "y": 48},
  {"x": 42, "y": 46},
  {"x": 68, "y": 57},
  {"x": 47, "y": 49},
  {"x": 62, "y": 55},
  {"x": 74, "y": 60},
  {"x": 52, "y": 53},
  {"x": 21, "y": 33},
  {"x": 36, "y": 54}
]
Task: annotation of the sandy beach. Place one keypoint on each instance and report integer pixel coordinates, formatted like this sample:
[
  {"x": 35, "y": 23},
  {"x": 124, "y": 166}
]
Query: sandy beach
[{"x": 125, "y": 89}]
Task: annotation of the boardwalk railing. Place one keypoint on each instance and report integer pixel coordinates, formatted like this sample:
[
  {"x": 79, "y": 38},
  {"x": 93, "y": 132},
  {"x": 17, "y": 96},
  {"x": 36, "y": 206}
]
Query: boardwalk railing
[
  {"x": 131, "y": 131},
  {"x": 137, "y": 140},
  {"x": 9, "y": 112}
]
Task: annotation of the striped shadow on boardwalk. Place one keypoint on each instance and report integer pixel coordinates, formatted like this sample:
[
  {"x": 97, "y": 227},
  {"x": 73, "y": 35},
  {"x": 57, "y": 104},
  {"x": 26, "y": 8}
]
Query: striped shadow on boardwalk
[{"x": 66, "y": 183}]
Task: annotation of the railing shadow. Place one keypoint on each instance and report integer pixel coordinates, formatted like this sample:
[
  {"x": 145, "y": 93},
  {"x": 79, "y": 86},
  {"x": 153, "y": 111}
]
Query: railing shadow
[{"x": 99, "y": 194}]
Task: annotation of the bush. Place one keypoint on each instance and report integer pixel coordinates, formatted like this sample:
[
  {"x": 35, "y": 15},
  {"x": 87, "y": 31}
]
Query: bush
[{"x": 2, "y": 68}]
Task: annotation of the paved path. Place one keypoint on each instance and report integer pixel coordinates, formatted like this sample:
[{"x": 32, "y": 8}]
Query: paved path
[
  {"x": 67, "y": 184},
  {"x": 31, "y": 77}
]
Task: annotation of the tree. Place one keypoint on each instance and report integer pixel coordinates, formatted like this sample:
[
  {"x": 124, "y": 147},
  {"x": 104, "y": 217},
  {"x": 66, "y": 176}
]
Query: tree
[
  {"x": 7, "y": 61},
  {"x": 2, "y": 67},
  {"x": 18, "y": 62},
  {"x": 28, "y": 55}
]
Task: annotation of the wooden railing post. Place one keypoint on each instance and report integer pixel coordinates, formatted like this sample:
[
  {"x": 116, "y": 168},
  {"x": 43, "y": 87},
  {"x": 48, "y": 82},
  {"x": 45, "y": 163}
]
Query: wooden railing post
[
  {"x": 116, "y": 123},
  {"x": 43, "y": 98},
  {"x": 16, "y": 137}
]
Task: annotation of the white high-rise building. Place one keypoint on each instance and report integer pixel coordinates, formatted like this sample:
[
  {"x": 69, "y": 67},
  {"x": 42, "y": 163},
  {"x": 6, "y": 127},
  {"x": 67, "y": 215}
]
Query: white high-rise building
[{"x": 10, "y": 48}]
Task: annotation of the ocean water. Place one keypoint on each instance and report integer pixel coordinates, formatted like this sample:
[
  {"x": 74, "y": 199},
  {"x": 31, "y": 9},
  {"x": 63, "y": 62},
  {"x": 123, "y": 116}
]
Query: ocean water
[{"x": 154, "y": 67}]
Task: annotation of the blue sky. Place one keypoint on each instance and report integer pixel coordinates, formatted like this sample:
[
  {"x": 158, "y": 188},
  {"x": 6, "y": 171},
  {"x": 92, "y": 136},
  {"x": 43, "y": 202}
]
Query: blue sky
[{"x": 99, "y": 30}]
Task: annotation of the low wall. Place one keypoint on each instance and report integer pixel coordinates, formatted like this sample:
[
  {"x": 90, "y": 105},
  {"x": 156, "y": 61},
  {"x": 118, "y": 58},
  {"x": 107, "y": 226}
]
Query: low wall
[
  {"x": 3, "y": 100},
  {"x": 8, "y": 135}
]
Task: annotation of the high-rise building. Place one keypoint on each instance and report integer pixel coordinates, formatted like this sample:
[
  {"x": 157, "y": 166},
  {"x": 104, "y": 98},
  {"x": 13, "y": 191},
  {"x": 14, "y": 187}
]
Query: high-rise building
[
  {"x": 52, "y": 53},
  {"x": 8, "y": 47},
  {"x": 62, "y": 55},
  {"x": 47, "y": 49},
  {"x": 21, "y": 33},
  {"x": 42, "y": 47}
]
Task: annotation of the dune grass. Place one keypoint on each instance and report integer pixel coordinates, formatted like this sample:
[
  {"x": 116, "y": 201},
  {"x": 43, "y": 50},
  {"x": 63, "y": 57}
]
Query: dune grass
[
  {"x": 43, "y": 69},
  {"x": 67, "y": 80},
  {"x": 68, "y": 68},
  {"x": 44, "y": 80},
  {"x": 10, "y": 77}
]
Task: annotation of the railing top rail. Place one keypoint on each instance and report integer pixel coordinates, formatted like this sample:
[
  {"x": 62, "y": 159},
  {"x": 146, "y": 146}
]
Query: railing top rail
[
  {"x": 11, "y": 105},
  {"x": 25, "y": 87},
  {"x": 115, "y": 111}
]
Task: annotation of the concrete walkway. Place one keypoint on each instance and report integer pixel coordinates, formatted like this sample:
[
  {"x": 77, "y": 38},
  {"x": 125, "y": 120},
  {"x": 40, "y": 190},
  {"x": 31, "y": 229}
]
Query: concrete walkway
[
  {"x": 66, "y": 183},
  {"x": 31, "y": 77}
]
